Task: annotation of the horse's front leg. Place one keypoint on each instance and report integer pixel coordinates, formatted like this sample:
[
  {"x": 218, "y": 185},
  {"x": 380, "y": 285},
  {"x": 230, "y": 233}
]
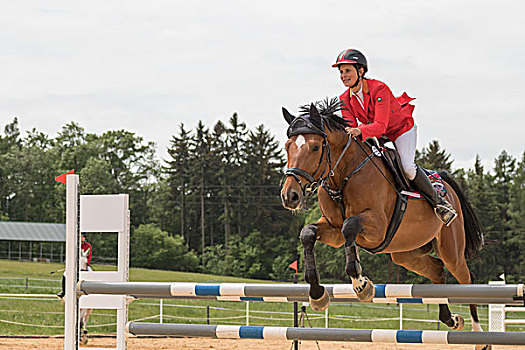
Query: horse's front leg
[
  {"x": 363, "y": 287},
  {"x": 319, "y": 298},
  {"x": 324, "y": 232}
]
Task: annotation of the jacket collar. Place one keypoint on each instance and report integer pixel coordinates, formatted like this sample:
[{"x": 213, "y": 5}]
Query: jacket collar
[{"x": 366, "y": 97}]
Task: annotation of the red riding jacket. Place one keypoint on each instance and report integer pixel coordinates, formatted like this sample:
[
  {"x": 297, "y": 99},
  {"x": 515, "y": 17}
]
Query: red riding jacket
[{"x": 385, "y": 114}]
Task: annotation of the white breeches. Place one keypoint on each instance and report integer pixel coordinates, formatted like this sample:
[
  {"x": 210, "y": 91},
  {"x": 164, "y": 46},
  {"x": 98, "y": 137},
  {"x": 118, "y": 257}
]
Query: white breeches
[{"x": 406, "y": 146}]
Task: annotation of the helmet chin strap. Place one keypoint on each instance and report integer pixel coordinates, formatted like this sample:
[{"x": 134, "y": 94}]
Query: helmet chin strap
[
  {"x": 356, "y": 83},
  {"x": 359, "y": 77}
]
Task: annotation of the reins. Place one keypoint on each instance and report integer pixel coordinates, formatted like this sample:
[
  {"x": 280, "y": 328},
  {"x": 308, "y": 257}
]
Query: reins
[
  {"x": 335, "y": 194},
  {"x": 380, "y": 171}
]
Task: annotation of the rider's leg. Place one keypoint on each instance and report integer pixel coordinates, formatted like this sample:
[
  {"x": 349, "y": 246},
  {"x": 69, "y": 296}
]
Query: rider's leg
[
  {"x": 406, "y": 146},
  {"x": 443, "y": 209},
  {"x": 62, "y": 293}
]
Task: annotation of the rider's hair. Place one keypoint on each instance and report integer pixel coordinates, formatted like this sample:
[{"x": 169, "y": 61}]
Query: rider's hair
[{"x": 359, "y": 66}]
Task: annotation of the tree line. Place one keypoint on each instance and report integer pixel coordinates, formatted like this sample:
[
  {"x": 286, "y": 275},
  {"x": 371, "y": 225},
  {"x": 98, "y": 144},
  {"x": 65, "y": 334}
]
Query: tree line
[{"x": 213, "y": 205}]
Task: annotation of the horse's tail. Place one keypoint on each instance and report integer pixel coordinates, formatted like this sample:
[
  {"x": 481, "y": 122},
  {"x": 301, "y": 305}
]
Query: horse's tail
[{"x": 472, "y": 225}]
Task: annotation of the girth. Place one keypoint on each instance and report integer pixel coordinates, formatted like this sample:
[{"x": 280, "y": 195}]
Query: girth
[{"x": 397, "y": 216}]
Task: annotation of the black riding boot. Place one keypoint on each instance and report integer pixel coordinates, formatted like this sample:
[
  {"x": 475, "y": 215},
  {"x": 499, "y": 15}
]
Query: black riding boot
[
  {"x": 444, "y": 210},
  {"x": 62, "y": 293}
]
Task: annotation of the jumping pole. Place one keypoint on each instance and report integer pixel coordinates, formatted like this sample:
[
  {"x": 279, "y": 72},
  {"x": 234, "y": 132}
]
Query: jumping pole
[{"x": 324, "y": 334}]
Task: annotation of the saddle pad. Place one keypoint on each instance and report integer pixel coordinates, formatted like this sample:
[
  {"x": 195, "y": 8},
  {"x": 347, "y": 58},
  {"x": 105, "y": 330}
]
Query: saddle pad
[{"x": 436, "y": 181}]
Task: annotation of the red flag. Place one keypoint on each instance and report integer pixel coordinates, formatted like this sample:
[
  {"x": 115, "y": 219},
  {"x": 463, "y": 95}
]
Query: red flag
[
  {"x": 62, "y": 178},
  {"x": 293, "y": 266}
]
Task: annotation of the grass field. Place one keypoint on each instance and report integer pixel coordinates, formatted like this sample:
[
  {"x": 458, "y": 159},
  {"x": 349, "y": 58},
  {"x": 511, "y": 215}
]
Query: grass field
[{"x": 45, "y": 317}]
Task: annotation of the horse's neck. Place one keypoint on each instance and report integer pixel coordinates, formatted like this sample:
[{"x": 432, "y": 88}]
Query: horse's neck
[{"x": 353, "y": 156}]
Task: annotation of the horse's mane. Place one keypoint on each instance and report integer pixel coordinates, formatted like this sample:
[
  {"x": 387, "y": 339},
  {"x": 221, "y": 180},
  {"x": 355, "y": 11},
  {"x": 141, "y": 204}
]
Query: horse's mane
[{"x": 328, "y": 109}]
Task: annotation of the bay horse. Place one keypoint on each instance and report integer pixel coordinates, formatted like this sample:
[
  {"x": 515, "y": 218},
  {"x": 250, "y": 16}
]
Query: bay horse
[{"x": 322, "y": 156}]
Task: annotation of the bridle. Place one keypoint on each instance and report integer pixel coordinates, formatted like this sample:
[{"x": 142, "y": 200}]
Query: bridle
[
  {"x": 302, "y": 125},
  {"x": 313, "y": 183}
]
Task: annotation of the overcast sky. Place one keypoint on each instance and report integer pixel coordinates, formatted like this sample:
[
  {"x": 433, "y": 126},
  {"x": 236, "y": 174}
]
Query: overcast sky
[{"x": 147, "y": 66}]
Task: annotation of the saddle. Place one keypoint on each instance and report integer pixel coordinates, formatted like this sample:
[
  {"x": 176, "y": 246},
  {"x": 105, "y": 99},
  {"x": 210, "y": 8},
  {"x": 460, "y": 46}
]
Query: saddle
[
  {"x": 386, "y": 150},
  {"x": 391, "y": 159}
]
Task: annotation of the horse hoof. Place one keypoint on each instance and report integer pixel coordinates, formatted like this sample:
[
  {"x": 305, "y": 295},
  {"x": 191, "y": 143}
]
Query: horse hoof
[
  {"x": 459, "y": 322},
  {"x": 483, "y": 347},
  {"x": 366, "y": 291},
  {"x": 84, "y": 339},
  {"x": 320, "y": 304}
]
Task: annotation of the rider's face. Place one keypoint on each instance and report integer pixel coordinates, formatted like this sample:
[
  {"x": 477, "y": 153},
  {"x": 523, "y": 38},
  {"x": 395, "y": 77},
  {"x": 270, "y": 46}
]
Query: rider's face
[
  {"x": 348, "y": 74},
  {"x": 82, "y": 238}
]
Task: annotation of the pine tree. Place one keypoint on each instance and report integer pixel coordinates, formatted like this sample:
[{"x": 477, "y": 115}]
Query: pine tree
[
  {"x": 201, "y": 176},
  {"x": 178, "y": 176},
  {"x": 264, "y": 163},
  {"x": 496, "y": 256},
  {"x": 434, "y": 158},
  {"x": 220, "y": 152},
  {"x": 236, "y": 143},
  {"x": 516, "y": 224}
]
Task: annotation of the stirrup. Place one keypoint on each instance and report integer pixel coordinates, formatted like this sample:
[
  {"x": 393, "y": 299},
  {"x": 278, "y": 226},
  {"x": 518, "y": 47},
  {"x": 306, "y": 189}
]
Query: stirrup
[
  {"x": 60, "y": 296},
  {"x": 445, "y": 212}
]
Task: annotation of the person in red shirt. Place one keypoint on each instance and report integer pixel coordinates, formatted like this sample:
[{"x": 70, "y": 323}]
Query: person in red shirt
[
  {"x": 85, "y": 261},
  {"x": 86, "y": 252},
  {"x": 371, "y": 110}
]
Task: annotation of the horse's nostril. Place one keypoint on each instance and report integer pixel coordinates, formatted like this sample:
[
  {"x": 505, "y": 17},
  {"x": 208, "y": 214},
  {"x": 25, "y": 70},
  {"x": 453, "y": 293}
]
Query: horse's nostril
[{"x": 295, "y": 197}]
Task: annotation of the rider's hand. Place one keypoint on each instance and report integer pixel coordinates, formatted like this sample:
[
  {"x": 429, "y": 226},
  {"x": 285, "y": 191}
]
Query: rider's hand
[{"x": 353, "y": 131}]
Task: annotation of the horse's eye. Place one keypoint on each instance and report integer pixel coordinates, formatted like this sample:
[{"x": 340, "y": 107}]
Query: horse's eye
[{"x": 315, "y": 148}]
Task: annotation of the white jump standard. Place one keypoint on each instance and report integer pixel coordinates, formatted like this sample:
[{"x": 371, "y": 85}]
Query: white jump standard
[
  {"x": 326, "y": 334},
  {"x": 100, "y": 214}
]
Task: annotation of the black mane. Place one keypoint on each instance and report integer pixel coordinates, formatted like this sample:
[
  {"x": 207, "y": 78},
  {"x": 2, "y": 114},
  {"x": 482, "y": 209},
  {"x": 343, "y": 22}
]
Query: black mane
[{"x": 327, "y": 109}]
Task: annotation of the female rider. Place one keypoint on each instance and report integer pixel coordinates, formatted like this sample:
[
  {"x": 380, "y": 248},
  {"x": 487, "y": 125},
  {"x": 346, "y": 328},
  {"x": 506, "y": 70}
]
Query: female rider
[
  {"x": 371, "y": 103},
  {"x": 87, "y": 252}
]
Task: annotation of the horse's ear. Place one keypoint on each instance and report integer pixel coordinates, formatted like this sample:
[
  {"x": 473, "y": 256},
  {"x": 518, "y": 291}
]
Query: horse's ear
[
  {"x": 287, "y": 116},
  {"x": 315, "y": 117}
]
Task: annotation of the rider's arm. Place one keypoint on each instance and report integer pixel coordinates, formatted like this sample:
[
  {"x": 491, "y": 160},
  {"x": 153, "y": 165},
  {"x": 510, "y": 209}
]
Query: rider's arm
[
  {"x": 348, "y": 114},
  {"x": 381, "y": 100},
  {"x": 88, "y": 246}
]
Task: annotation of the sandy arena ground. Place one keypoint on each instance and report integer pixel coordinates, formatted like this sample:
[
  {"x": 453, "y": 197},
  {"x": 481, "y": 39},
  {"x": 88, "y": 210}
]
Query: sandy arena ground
[{"x": 216, "y": 344}]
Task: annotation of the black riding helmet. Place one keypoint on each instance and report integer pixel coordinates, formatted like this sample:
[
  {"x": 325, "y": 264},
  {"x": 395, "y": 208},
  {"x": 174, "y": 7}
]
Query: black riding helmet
[
  {"x": 351, "y": 56},
  {"x": 354, "y": 57}
]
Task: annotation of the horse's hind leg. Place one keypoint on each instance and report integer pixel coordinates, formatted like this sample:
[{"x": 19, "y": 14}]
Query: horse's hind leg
[
  {"x": 423, "y": 264},
  {"x": 453, "y": 256}
]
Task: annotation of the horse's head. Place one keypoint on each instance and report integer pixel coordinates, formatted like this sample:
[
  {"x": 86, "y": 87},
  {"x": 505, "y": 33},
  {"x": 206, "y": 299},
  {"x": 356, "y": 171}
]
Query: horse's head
[{"x": 308, "y": 152}]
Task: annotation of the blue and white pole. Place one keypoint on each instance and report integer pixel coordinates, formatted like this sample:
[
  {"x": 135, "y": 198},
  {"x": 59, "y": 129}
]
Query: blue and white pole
[{"x": 330, "y": 334}]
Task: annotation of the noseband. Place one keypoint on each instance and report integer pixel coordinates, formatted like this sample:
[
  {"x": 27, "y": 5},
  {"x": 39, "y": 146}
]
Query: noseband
[{"x": 313, "y": 183}]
